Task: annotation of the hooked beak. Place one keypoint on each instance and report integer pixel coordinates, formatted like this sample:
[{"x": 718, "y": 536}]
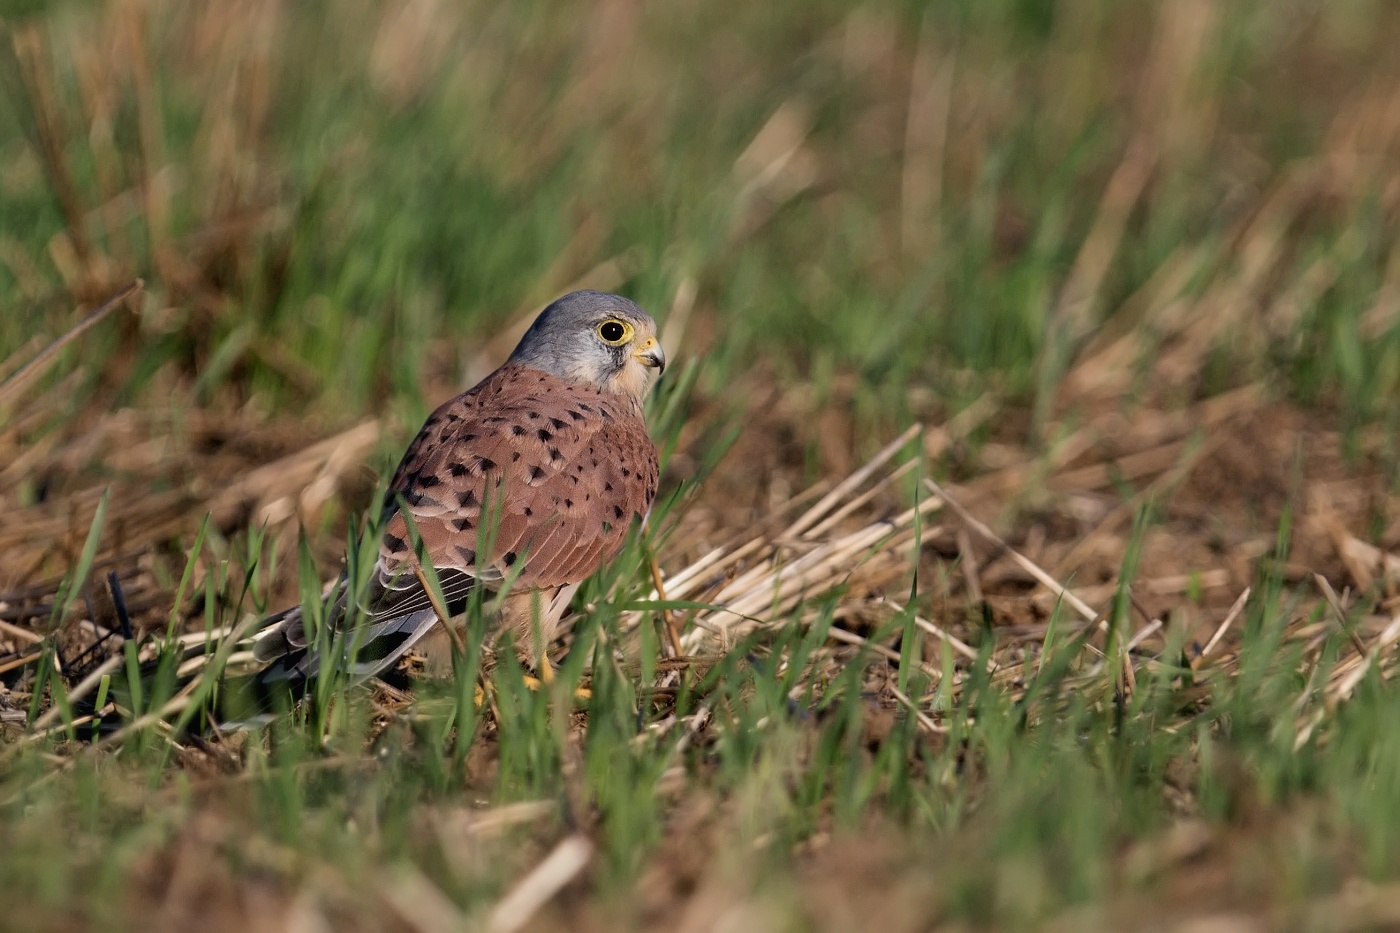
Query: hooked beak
[{"x": 651, "y": 355}]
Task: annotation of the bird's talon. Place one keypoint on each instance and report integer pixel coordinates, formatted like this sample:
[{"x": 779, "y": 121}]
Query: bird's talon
[{"x": 539, "y": 683}]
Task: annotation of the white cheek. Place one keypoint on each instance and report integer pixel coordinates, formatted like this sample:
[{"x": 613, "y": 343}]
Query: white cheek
[{"x": 595, "y": 366}]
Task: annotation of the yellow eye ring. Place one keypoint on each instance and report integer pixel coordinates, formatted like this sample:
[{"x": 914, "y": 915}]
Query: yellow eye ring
[{"x": 614, "y": 332}]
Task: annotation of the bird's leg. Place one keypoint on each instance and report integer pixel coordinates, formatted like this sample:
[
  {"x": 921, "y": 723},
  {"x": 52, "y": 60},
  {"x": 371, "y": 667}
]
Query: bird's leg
[
  {"x": 545, "y": 672},
  {"x": 673, "y": 635}
]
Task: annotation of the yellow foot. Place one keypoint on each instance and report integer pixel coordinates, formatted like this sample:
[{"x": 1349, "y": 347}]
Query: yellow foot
[{"x": 546, "y": 672}]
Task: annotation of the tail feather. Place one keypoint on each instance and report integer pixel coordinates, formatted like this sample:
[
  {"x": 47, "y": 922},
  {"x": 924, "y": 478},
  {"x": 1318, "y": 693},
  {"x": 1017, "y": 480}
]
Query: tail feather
[
  {"x": 248, "y": 701},
  {"x": 385, "y": 642},
  {"x": 286, "y": 678}
]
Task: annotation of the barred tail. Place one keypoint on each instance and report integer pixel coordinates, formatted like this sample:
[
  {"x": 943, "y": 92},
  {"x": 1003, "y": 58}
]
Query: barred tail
[{"x": 286, "y": 678}]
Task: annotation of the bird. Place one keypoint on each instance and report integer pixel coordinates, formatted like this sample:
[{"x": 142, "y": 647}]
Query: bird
[{"x": 517, "y": 490}]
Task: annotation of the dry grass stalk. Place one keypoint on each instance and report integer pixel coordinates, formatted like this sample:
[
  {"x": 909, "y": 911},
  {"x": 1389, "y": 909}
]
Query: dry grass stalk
[
  {"x": 1049, "y": 582},
  {"x": 297, "y": 484},
  {"x": 1225, "y": 624},
  {"x": 12, "y": 388},
  {"x": 35, "y": 71},
  {"x": 420, "y": 903},
  {"x": 570, "y": 857}
]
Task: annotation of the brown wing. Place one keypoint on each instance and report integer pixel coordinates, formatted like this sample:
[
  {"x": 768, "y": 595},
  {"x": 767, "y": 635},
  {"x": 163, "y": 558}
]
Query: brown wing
[{"x": 544, "y": 476}]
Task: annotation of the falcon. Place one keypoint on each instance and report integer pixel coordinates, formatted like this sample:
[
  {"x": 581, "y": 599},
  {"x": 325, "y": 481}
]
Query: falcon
[{"x": 519, "y": 488}]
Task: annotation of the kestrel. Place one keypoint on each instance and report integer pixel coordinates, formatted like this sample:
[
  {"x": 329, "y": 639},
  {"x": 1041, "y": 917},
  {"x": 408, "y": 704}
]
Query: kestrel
[{"x": 527, "y": 482}]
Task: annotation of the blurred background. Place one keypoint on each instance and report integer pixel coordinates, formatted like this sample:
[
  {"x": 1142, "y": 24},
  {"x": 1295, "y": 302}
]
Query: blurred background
[
  {"x": 848, "y": 217},
  {"x": 1120, "y": 258},
  {"x": 900, "y": 205}
]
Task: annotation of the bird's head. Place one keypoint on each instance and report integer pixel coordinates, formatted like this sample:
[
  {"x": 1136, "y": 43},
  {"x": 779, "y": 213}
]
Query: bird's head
[{"x": 597, "y": 339}]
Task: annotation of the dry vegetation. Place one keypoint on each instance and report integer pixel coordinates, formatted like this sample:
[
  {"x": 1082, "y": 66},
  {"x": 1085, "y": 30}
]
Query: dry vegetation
[{"x": 1075, "y": 615}]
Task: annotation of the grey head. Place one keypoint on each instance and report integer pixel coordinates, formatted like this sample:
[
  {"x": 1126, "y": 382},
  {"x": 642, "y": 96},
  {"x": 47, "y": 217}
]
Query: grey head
[{"x": 597, "y": 339}]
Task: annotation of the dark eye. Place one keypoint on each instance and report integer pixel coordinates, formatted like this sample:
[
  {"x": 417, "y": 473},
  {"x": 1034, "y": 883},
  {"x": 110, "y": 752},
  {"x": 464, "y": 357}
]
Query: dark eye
[{"x": 613, "y": 332}]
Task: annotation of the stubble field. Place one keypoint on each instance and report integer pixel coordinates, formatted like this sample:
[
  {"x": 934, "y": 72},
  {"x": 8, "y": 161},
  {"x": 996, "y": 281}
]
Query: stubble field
[{"x": 1029, "y": 505}]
